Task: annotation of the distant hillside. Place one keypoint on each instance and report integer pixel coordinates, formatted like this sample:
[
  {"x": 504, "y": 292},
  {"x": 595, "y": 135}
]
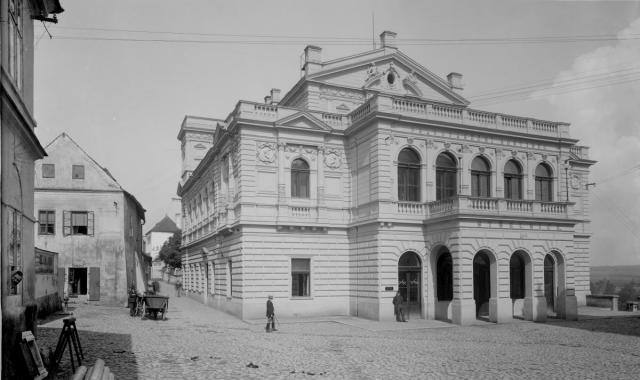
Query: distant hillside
[{"x": 618, "y": 275}]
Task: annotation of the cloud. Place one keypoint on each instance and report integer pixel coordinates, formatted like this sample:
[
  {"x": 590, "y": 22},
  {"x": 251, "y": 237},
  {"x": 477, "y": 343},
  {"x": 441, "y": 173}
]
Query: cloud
[{"x": 605, "y": 115}]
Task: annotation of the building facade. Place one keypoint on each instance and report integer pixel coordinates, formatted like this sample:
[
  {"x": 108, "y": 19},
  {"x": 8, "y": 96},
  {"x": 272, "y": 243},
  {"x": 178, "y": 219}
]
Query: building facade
[
  {"x": 373, "y": 175},
  {"x": 19, "y": 149},
  {"x": 154, "y": 239},
  {"x": 91, "y": 221}
]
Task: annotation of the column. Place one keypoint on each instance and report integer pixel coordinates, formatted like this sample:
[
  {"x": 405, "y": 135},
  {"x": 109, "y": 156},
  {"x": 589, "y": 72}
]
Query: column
[
  {"x": 463, "y": 307},
  {"x": 500, "y": 303}
]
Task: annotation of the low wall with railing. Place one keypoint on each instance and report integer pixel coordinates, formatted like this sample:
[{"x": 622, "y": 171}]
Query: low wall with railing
[{"x": 609, "y": 301}]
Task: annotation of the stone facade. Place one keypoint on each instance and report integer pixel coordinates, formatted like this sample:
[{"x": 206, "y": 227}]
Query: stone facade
[
  {"x": 311, "y": 198},
  {"x": 94, "y": 225}
]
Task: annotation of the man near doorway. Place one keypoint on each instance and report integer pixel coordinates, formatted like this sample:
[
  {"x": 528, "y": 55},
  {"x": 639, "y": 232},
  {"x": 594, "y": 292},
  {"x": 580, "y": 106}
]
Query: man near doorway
[
  {"x": 270, "y": 316},
  {"x": 398, "y": 307}
]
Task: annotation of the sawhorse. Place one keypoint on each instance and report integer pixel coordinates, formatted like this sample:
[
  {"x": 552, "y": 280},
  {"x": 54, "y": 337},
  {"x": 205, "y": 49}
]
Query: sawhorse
[{"x": 68, "y": 337}]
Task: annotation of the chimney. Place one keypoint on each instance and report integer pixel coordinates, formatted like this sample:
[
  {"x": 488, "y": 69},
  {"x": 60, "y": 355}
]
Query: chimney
[
  {"x": 388, "y": 39},
  {"x": 455, "y": 81},
  {"x": 312, "y": 59},
  {"x": 275, "y": 96},
  {"x": 267, "y": 99}
]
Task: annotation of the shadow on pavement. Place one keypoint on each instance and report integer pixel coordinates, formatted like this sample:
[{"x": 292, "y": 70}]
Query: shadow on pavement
[
  {"x": 612, "y": 325},
  {"x": 114, "y": 349},
  {"x": 57, "y": 315}
]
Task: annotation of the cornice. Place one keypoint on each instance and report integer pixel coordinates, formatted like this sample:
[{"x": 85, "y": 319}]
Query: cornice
[{"x": 364, "y": 122}]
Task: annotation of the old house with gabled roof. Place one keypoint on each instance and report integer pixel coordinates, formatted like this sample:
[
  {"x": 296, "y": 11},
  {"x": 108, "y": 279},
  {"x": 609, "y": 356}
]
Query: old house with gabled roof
[
  {"x": 91, "y": 221},
  {"x": 374, "y": 175}
]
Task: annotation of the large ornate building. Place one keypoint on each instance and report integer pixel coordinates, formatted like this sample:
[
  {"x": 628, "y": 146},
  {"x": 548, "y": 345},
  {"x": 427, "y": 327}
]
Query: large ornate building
[{"x": 373, "y": 175}]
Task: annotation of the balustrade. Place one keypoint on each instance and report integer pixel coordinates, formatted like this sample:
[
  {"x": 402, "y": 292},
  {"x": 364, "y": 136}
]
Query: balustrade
[
  {"x": 441, "y": 206},
  {"x": 483, "y": 204},
  {"x": 519, "y": 205},
  {"x": 410, "y": 208},
  {"x": 553, "y": 208}
]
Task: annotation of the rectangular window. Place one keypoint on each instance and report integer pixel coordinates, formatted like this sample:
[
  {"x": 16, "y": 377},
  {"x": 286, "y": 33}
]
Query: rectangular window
[
  {"x": 300, "y": 277},
  {"x": 47, "y": 222},
  {"x": 48, "y": 171},
  {"x": 77, "y": 172},
  {"x": 78, "y": 223}
]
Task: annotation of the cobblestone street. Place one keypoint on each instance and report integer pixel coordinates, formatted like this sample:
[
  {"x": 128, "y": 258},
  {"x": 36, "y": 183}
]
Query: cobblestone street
[{"x": 198, "y": 342}]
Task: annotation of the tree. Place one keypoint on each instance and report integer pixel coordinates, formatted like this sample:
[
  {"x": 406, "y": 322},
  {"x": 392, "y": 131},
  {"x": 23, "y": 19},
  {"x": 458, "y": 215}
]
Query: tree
[
  {"x": 627, "y": 293},
  {"x": 603, "y": 287},
  {"x": 170, "y": 251}
]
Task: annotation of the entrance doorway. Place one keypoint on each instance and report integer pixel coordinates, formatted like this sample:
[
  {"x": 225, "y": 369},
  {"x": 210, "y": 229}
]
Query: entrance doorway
[
  {"x": 482, "y": 284},
  {"x": 549, "y": 283},
  {"x": 410, "y": 283},
  {"x": 77, "y": 281}
]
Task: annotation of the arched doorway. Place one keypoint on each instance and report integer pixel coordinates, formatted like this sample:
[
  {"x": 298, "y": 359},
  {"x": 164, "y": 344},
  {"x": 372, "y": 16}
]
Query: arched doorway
[
  {"x": 549, "y": 283},
  {"x": 482, "y": 284},
  {"x": 410, "y": 283},
  {"x": 517, "y": 283}
]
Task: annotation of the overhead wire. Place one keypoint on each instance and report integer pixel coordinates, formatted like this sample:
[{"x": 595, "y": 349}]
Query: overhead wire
[{"x": 289, "y": 38}]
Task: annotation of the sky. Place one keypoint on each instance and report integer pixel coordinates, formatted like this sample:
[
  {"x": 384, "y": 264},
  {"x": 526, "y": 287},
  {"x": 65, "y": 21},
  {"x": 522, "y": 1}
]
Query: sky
[{"x": 119, "y": 76}]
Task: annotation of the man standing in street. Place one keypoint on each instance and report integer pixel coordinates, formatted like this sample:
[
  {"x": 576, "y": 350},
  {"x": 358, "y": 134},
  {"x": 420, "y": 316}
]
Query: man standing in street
[
  {"x": 270, "y": 316},
  {"x": 398, "y": 307}
]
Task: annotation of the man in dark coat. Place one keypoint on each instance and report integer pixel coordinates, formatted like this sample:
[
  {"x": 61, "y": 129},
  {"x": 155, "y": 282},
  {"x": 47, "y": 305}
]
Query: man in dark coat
[
  {"x": 398, "y": 307},
  {"x": 270, "y": 316}
]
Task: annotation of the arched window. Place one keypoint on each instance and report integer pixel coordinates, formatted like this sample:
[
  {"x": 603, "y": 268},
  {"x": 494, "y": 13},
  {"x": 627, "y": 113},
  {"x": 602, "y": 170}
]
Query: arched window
[
  {"x": 543, "y": 183},
  {"x": 446, "y": 172},
  {"x": 299, "y": 179},
  {"x": 480, "y": 178},
  {"x": 408, "y": 176},
  {"x": 512, "y": 180},
  {"x": 516, "y": 276},
  {"x": 444, "y": 276}
]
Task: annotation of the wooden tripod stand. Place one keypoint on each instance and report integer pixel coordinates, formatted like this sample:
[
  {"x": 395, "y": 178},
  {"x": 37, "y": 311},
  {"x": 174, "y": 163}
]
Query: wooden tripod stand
[{"x": 68, "y": 337}]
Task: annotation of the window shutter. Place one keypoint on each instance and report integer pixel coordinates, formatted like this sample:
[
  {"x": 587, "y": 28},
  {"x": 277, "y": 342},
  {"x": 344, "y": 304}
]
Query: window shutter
[
  {"x": 90, "y": 223},
  {"x": 66, "y": 223}
]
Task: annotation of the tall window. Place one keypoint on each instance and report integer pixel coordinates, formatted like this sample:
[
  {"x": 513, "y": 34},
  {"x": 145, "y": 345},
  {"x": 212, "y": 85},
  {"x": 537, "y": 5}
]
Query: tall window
[
  {"x": 543, "y": 183},
  {"x": 408, "y": 176},
  {"x": 299, "y": 179},
  {"x": 15, "y": 41},
  {"x": 78, "y": 223},
  {"x": 446, "y": 173},
  {"x": 300, "y": 277},
  {"x": 480, "y": 178},
  {"x": 47, "y": 222},
  {"x": 512, "y": 180}
]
